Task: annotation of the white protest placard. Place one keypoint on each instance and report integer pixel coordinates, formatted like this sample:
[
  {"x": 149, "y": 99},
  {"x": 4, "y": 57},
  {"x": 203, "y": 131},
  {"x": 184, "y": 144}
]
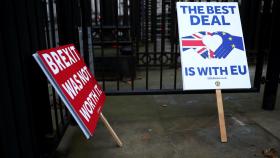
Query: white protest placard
[{"x": 212, "y": 46}]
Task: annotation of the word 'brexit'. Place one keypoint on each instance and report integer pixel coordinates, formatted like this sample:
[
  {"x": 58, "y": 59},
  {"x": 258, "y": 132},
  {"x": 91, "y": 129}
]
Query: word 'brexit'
[{"x": 61, "y": 59}]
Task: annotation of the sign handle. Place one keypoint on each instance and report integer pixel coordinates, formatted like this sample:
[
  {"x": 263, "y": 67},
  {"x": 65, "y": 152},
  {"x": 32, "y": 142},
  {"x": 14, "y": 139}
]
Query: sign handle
[
  {"x": 223, "y": 131},
  {"x": 112, "y": 132}
]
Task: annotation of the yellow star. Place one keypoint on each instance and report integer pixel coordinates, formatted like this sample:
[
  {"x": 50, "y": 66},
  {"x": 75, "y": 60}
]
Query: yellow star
[
  {"x": 224, "y": 33},
  {"x": 230, "y": 38},
  {"x": 233, "y": 46}
]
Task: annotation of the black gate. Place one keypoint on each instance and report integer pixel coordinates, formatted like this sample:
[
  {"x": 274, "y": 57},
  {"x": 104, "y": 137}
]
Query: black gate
[{"x": 135, "y": 45}]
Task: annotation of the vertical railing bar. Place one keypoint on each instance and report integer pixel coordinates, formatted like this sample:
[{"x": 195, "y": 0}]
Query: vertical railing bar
[
  {"x": 173, "y": 25},
  {"x": 87, "y": 22},
  {"x": 154, "y": 27},
  {"x": 135, "y": 13},
  {"x": 51, "y": 10},
  {"x": 253, "y": 8},
  {"x": 162, "y": 40},
  {"x": 95, "y": 12},
  {"x": 117, "y": 42},
  {"x": 47, "y": 24},
  {"x": 55, "y": 44},
  {"x": 264, "y": 21},
  {"x": 55, "y": 23},
  {"x": 132, "y": 31},
  {"x": 61, "y": 111},
  {"x": 48, "y": 40},
  {"x": 125, "y": 13},
  {"x": 66, "y": 113},
  {"x": 146, "y": 43},
  {"x": 102, "y": 45},
  {"x": 55, "y": 112},
  {"x": 138, "y": 23},
  {"x": 173, "y": 38},
  {"x": 176, "y": 62},
  {"x": 92, "y": 26}
]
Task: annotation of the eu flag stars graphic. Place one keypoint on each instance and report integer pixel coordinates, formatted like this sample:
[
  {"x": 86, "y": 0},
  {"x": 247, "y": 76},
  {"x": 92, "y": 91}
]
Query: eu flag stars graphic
[{"x": 229, "y": 43}]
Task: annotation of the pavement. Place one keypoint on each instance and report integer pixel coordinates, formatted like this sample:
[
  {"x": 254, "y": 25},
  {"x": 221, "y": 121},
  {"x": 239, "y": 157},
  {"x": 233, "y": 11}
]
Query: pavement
[{"x": 179, "y": 126}]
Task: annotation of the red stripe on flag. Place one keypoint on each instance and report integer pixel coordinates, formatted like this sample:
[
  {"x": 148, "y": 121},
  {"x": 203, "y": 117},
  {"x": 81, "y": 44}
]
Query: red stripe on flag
[
  {"x": 211, "y": 53},
  {"x": 195, "y": 35},
  {"x": 192, "y": 43},
  {"x": 201, "y": 50}
]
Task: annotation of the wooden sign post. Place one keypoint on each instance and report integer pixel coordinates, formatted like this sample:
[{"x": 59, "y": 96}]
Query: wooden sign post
[
  {"x": 110, "y": 129},
  {"x": 220, "y": 107}
]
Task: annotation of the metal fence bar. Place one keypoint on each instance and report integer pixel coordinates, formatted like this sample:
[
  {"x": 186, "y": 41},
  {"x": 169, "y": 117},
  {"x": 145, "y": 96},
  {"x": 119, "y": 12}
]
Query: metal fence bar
[
  {"x": 137, "y": 26},
  {"x": 176, "y": 64},
  {"x": 95, "y": 13},
  {"x": 273, "y": 66},
  {"x": 46, "y": 24},
  {"x": 146, "y": 8},
  {"x": 255, "y": 12},
  {"x": 174, "y": 40},
  {"x": 125, "y": 13},
  {"x": 162, "y": 45},
  {"x": 61, "y": 111},
  {"x": 67, "y": 115},
  {"x": 262, "y": 33},
  {"x": 154, "y": 28},
  {"x": 175, "y": 91},
  {"x": 86, "y": 22},
  {"x": 54, "y": 44},
  {"x": 116, "y": 29},
  {"x": 131, "y": 24},
  {"x": 52, "y": 21},
  {"x": 176, "y": 54},
  {"x": 55, "y": 112},
  {"x": 172, "y": 29},
  {"x": 102, "y": 44}
]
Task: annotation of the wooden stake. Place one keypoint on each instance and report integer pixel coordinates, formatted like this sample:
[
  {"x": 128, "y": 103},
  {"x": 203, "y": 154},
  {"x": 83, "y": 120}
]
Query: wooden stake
[
  {"x": 223, "y": 131},
  {"x": 112, "y": 132}
]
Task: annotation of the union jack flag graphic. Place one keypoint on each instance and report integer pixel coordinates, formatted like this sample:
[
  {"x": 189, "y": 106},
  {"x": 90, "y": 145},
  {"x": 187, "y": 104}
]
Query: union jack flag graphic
[{"x": 195, "y": 42}]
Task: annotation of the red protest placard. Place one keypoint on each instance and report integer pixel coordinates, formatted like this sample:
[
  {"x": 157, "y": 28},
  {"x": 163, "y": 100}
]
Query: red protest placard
[{"x": 74, "y": 83}]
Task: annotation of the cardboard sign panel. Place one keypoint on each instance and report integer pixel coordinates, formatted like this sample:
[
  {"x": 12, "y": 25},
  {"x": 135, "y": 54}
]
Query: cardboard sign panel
[
  {"x": 75, "y": 84},
  {"x": 213, "y": 54}
]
